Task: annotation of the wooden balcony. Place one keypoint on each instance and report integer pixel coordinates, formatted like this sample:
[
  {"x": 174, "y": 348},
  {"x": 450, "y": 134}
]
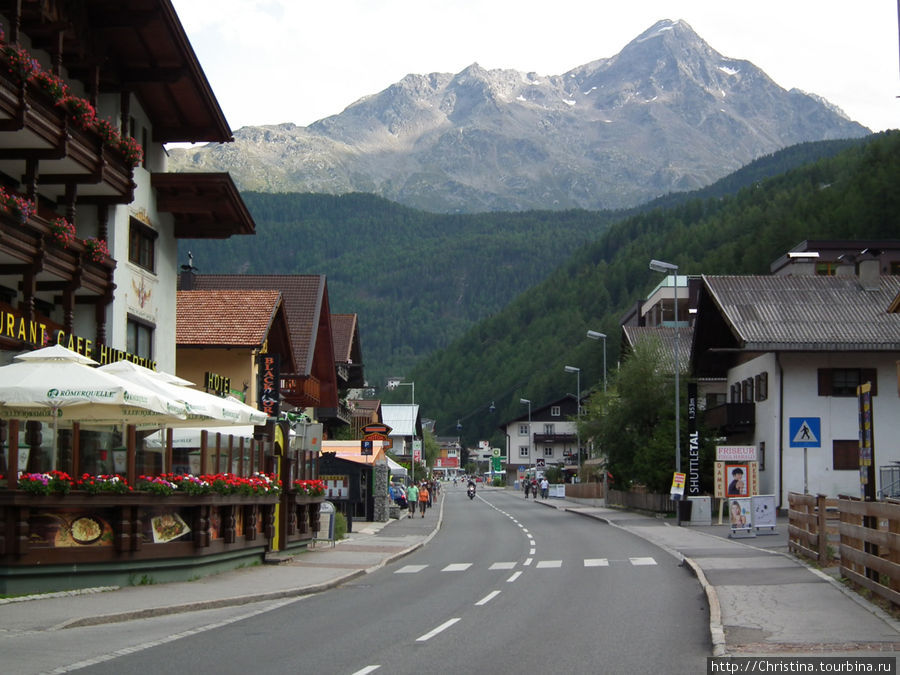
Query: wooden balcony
[
  {"x": 37, "y": 139},
  {"x": 302, "y": 391},
  {"x": 549, "y": 439},
  {"x": 731, "y": 418}
]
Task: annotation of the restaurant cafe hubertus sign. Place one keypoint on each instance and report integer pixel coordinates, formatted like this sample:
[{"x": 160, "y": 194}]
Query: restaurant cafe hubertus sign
[{"x": 39, "y": 332}]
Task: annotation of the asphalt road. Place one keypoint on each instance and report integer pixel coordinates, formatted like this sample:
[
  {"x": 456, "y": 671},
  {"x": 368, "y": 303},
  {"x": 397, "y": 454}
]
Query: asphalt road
[{"x": 506, "y": 586}]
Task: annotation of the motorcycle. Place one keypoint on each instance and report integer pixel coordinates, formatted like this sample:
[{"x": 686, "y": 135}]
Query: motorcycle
[{"x": 471, "y": 492}]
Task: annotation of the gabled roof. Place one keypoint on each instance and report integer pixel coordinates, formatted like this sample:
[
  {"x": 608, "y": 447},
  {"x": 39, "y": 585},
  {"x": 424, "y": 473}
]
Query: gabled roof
[
  {"x": 343, "y": 329},
  {"x": 403, "y": 418},
  {"x": 305, "y": 300},
  {"x": 225, "y": 318},
  {"x": 665, "y": 335},
  {"x": 133, "y": 45},
  {"x": 803, "y": 313},
  {"x": 347, "y": 351}
]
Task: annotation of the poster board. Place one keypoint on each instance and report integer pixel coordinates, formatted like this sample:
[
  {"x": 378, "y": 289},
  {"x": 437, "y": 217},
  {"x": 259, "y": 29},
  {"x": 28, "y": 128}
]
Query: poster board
[
  {"x": 740, "y": 515},
  {"x": 764, "y": 511},
  {"x": 725, "y": 476}
]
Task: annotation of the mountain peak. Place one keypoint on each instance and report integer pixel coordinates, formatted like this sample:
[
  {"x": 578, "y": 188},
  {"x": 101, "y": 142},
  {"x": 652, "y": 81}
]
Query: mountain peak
[{"x": 666, "y": 114}]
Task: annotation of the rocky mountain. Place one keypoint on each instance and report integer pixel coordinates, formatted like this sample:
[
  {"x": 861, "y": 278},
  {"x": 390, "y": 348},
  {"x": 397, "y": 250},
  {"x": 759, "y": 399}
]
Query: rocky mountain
[{"x": 668, "y": 113}]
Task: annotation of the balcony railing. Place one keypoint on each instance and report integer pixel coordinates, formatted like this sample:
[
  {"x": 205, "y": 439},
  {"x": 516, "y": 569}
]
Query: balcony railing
[
  {"x": 731, "y": 418},
  {"x": 302, "y": 391},
  {"x": 33, "y": 127},
  {"x": 555, "y": 438}
]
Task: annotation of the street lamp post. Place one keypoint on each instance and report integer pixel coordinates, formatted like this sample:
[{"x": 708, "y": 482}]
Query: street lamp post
[
  {"x": 667, "y": 268},
  {"x": 527, "y": 402},
  {"x": 596, "y": 335},
  {"x": 577, "y": 371}
]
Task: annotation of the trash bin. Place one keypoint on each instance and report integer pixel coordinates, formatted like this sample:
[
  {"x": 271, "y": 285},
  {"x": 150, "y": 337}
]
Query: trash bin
[{"x": 684, "y": 507}]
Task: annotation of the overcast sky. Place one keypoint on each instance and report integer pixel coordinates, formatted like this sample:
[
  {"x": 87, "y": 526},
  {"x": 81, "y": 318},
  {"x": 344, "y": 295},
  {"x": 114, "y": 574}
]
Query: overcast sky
[{"x": 274, "y": 61}]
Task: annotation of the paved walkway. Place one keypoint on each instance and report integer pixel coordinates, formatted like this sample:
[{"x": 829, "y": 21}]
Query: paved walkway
[{"x": 762, "y": 601}]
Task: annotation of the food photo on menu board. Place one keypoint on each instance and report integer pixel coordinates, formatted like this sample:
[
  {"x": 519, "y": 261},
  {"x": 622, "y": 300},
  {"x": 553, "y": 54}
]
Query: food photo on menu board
[{"x": 167, "y": 527}]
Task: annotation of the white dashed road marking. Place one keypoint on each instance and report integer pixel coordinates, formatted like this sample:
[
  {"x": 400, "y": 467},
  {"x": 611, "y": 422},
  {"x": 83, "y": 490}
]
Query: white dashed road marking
[
  {"x": 410, "y": 569},
  {"x": 486, "y": 599},
  {"x": 549, "y": 563},
  {"x": 596, "y": 562},
  {"x": 430, "y": 634}
]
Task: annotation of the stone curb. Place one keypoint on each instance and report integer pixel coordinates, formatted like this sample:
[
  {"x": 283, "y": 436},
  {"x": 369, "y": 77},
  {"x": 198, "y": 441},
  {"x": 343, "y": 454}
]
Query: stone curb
[{"x": 244, "y": 599}]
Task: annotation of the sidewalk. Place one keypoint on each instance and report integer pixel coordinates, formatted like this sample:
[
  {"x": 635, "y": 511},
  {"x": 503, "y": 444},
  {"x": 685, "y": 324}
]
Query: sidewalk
[
  {"x": 369, "y": 547},
  {"x": 762, "y": 601}
]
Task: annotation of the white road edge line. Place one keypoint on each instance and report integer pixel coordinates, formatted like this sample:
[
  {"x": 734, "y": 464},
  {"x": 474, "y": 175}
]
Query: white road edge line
[
  {"x": 486, "y": 599},
  {"x": 430, "y": 634},
  {"x": 367, "y": 669}
]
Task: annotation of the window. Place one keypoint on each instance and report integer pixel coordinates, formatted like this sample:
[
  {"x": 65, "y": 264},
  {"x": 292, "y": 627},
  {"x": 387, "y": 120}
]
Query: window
[
  {"x": 140, "y": 339},
  {"x": 735, "y": 393},
  {"x": 142, "y": 245},
  {"x": 554, "y": 411},
  {"x": 747, "y": 391},
  {"x": 523, "y": 451},
  {"x": 845, "y": 455},
  {"x": 762, "y": 386},
  {"x": 844, "y": 381},
  {"x": 523, "y": 430},
  {"x": 549, "y": 429},
  {"x": 548, "y": 451}
]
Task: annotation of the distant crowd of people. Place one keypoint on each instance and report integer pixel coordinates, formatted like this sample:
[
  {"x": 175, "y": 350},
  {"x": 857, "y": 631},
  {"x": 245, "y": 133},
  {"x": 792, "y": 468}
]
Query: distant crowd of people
[
  {"x": 532, "y": 486},
  {"x": 420, "y": 495}
]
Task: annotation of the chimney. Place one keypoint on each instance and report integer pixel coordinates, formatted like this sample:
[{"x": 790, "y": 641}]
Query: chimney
[
  {"x": 186, "y": 279},
  {"x": 869, "y": 275}
]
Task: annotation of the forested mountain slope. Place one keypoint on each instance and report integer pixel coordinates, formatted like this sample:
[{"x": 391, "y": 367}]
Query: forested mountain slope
[
  {"x": 520, "y": 352},
  {"x": 419, "y": 280}
]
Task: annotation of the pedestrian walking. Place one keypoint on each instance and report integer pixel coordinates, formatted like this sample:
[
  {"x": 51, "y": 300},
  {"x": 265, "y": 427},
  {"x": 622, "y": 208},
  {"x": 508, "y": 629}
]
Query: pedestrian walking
[
  {"x": 423, "y": 498},
  {"x": 527, "y": 487},
  {"x": 534, "y": 488},
  {"x": 545, "y": 488},
  {"x": 412, "y": 498}
]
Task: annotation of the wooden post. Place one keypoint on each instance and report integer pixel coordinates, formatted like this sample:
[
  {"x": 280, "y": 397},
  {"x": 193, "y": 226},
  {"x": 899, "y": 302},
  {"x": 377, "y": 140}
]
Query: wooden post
[
  {"x": 12, "y": 462},
  {"x": 167, "y": 458},
  {"x": 821, "y": 526},
  {"x": 204, "y": 444},
  {"x": 131, "y": 447}
]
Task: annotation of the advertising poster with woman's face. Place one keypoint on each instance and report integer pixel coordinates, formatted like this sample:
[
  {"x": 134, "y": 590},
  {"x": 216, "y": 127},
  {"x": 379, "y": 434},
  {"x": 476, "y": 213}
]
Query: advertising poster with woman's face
[
  {"x": 737, "y": 476},
  {"x": 740, "y": 514}
]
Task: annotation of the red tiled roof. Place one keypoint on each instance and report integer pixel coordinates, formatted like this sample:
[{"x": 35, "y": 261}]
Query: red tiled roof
[
  {"x": 305, "y": 298},
  {"x": 225, "y": 317}
]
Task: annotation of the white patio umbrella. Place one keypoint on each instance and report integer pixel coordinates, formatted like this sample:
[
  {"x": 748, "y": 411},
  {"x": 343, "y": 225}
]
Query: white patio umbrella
[
  {"x": 203, "y": 410},
  {"x": 60, "y": 386}
]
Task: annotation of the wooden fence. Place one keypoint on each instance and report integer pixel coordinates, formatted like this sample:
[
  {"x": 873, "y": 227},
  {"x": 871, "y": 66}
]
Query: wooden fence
[
  {"x": 812, "y": 524},
  {"x": 869, "y": 538},
  {"x": 642, "y": 501}
]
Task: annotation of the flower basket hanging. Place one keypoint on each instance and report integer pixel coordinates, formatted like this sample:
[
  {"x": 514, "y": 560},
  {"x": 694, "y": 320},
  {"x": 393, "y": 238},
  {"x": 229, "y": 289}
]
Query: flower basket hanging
[
  {"x": 63, "y": 232},
  {"x": 96, "y": 248}
]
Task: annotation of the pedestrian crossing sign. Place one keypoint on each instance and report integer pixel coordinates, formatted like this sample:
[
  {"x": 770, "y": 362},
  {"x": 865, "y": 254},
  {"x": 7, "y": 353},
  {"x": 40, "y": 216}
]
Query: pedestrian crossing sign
[{"x": 805, "y": 432}]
